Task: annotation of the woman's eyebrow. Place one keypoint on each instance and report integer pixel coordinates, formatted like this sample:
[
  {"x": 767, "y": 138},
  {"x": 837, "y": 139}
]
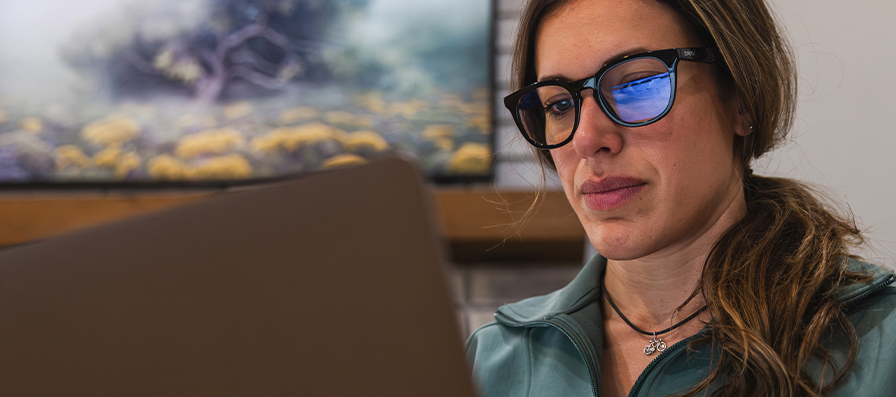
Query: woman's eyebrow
[
  {"x": 618, "y": 55},
  {"x": 554, "y": 77}
]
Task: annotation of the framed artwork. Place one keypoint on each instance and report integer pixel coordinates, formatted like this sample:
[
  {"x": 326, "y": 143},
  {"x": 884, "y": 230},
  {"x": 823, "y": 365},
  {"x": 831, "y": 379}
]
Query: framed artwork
[{"x": 136, "y": 92}]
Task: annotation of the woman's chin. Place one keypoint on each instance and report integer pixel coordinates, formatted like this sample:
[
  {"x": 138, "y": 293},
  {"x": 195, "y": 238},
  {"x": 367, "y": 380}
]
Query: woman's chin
[
  {"x": 619, "y": 239},
  {"x": 620, "y": 250}
]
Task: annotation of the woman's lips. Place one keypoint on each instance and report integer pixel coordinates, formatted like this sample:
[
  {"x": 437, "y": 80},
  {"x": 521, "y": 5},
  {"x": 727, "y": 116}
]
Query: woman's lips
[{"x": 610, "y": 193}]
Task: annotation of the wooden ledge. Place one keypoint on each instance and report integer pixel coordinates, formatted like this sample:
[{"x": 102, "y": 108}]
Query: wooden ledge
[
  {"x": 478, "y": 224},
  {"x": 483, "y": 225}
]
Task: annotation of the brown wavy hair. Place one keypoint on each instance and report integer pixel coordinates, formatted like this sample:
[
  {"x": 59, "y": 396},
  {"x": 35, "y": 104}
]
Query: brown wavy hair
[{"x": 771, "y": 279}]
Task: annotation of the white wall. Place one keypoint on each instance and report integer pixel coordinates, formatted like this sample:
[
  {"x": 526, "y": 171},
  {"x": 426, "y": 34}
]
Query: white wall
[{"x": 844, "y": 138}]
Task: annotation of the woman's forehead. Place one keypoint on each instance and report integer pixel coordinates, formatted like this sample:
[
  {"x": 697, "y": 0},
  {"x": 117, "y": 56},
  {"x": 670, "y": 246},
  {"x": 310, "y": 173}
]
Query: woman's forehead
[{"x": 578, "y": 38}]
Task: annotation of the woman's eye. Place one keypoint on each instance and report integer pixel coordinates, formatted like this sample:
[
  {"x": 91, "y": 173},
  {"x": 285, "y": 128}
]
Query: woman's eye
[
  {"x": 633, "y": 77},
  {"x": 558, "y": 108}
]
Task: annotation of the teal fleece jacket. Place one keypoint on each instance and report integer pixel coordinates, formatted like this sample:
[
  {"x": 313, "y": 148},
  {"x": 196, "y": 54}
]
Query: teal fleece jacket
[{"x": 551, "y": 345}]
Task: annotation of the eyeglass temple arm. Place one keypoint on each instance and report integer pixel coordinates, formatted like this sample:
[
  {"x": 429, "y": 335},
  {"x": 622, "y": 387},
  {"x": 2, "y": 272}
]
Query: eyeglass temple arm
[{"x": 697, "y": 54}]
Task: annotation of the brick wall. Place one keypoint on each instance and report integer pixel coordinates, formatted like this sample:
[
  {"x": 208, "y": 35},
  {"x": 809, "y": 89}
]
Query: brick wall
[
  {"x": 480, "y": 288},
  {"x": 515, "y": 167}
]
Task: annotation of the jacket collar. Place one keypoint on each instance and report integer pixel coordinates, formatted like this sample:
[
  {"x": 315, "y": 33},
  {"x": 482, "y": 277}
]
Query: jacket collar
[
  {"x": 579, "y": 292},
  {"x": 586, "y": 287},
  {"x": 880, "y": 278}
]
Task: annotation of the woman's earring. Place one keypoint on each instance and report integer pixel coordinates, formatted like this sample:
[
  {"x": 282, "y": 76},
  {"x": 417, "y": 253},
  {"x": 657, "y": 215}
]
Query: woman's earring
[{"x": 751, "y": 128}]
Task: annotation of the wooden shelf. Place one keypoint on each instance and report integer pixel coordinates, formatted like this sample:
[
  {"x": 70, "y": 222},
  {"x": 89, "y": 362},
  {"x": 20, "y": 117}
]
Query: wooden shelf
[
  {"x": 478, "y": 224},
  {"x": 484, "y": 225}
]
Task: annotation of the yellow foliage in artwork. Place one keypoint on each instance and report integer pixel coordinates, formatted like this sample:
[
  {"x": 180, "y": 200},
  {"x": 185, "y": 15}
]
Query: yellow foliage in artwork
[
  {"x": 31, "y": 124},
  {"x": 108, "y": 157},
  {"x": 109, "y": 131},
  {"x": 478, "y": 105},
  {"x": 365, "y": 140},
  {"x": 293, "y": 115},
  {"x": 165, "y": 167},
  {"x": 215, "y": 141},
  {"x": 476, "y": 112},
  {"x": 186, "y": 69},
  {"x": 120, "y": 162},
  {"x": 372, "y": 102},
  {"x": 406, "y": 109},
  {"x": 444, "y": 144},
  {"x": 126, "y": 163},
  {"x": 482, "y": 122},
  {"x": 71, "y": 156},
  {"x": 441, "y": 135},
  {"x": 343, "y": 160},
  {"x": 163, "y": 59},
  {"x": 472, "y": 108},
  {"x": 293, "y": 138},
  {"x": 438, "y": 131},
  {"x": 232, "y": 166},
  {"x": 471, "y": 158},
  {"x": 3, "y": 116},
  {"x": 238, "y": 110}
]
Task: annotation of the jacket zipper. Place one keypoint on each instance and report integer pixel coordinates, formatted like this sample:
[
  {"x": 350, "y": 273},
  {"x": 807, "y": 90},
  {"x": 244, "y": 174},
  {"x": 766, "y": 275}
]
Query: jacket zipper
[
  {"x": 636, "y": 388},
  {"x": 877, "y": 288}
]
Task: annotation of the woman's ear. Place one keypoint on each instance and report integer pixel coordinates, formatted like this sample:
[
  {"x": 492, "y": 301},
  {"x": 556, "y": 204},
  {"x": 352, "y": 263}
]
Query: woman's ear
[{"x": 744, "y": 124}]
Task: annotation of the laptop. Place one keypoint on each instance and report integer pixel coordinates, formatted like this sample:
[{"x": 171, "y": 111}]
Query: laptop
[{"x": 331, "y": 284}]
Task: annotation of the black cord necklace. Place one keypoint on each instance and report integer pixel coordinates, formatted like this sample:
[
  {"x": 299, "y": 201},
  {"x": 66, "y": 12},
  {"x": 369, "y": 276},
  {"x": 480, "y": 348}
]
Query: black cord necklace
[{"x": 656, "y": 344}]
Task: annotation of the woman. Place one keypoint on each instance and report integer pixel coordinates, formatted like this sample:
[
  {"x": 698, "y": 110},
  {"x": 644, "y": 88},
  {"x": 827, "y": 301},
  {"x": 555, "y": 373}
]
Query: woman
[{"x": 710, "y": 280}]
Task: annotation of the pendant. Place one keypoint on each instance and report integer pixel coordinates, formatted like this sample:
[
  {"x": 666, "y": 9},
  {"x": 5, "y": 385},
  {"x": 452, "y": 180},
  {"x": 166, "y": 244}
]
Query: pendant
[{"x": 655, "y": 345}]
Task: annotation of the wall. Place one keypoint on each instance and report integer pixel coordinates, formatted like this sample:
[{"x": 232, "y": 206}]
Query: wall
[{"x": 844, "y": 136}]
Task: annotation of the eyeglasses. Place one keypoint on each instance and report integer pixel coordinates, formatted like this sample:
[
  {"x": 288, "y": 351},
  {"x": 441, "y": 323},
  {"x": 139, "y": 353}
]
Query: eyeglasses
[{"x": 633, "y": 91}]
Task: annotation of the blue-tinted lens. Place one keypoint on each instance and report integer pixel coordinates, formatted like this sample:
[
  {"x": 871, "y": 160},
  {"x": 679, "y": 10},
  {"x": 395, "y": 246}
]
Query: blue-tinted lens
[
  {"x": 530, "y": 112},
  {"x": 547, "y": 114},
  {"x": 642, "y": 99},
  {"x": 638, "y": 90}
]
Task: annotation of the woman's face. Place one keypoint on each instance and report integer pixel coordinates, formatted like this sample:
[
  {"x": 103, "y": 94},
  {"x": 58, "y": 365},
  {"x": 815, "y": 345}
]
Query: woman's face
[{"x": 647, "y": 190}]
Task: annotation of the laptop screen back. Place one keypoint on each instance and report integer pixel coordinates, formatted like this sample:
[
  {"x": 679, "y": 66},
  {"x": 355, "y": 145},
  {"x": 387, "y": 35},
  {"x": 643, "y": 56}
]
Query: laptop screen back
[{"x": 328, "y": 285}]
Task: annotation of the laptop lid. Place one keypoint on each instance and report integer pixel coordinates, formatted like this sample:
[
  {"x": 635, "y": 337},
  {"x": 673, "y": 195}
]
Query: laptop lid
[{"x": 328, "y": 285}]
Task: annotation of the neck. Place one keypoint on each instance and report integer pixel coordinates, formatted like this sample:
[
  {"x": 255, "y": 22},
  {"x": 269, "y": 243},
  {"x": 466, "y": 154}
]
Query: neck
[
  {"x": 650, "y": 293},
  {"x": 650, "y": 290}
]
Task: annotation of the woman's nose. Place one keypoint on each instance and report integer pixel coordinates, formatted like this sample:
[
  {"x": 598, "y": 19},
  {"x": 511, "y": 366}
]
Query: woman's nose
[{"x": 596, "y": 133}]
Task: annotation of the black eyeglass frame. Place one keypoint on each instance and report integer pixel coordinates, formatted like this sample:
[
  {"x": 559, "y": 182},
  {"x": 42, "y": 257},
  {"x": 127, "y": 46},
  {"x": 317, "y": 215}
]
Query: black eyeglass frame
[{"x": 669, "y": 57}]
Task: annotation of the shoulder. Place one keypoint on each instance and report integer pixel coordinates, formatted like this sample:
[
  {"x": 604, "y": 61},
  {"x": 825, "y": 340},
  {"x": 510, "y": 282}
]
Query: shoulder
[
  {"x": 493, "y": 342},
  {"x": 525, "y": 352},
  {"x": 526, "y": 360},
  {"x": 875, "y": 311},
  {"x": 517, "y": 323},
  {"x": 873, "y": 315},
  {"x": 871, "y": 305},
  {"x": 498, "y": 356}
]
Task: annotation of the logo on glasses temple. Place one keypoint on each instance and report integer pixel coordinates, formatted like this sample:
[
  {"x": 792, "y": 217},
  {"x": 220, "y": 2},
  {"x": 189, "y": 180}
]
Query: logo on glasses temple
[{"x": 689, "y": 53}]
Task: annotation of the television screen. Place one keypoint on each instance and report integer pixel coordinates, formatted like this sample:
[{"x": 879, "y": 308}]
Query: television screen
[{"x": 136, "y": 91}]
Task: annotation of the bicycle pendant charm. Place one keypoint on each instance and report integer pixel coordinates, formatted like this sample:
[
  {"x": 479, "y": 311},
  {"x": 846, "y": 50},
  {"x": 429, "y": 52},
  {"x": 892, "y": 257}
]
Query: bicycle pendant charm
[{"x": 655, "y": 345}]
